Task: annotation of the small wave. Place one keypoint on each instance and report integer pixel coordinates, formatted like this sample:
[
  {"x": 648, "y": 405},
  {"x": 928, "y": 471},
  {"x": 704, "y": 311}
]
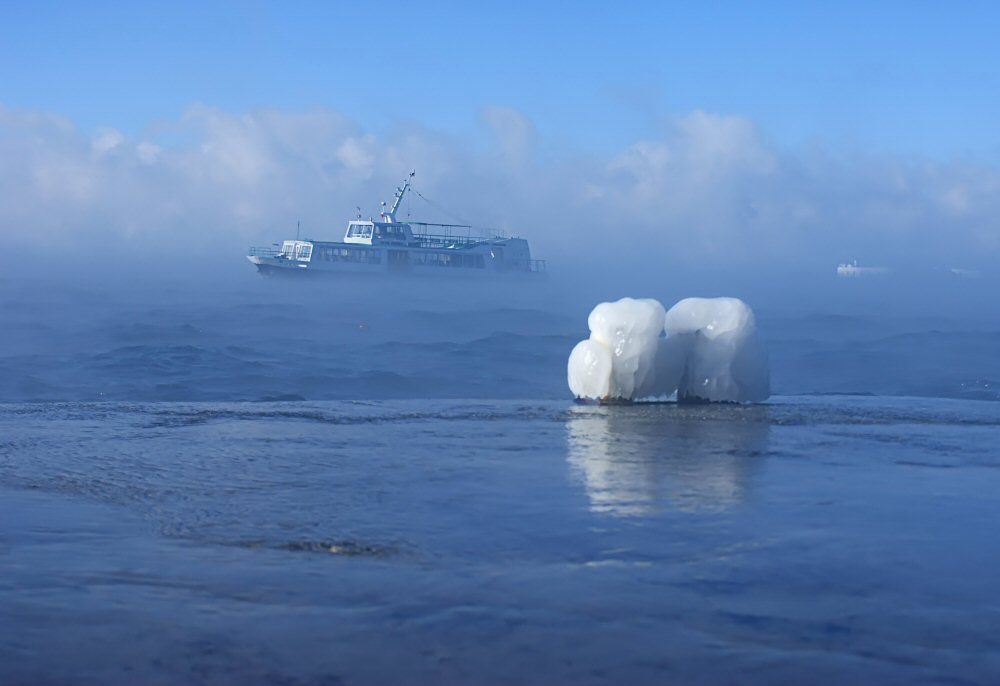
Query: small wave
[
  {"x": 340, "y": 547},
  {"x": 140, "y": 332},
  {"x": 338, "y": 415}
]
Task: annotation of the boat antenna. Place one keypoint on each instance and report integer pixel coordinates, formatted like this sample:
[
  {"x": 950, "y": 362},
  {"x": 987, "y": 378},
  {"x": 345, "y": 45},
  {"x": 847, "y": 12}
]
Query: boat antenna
[
  {"x": 390, "y": 216},
  {"x": 359, "y": 212},
  {"x": 298, "y": 225}
]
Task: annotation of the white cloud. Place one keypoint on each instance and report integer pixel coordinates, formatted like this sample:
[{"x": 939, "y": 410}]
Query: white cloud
[
  {"x": 358, "y": 155},
  {"x": 147, "y": 152},
  {"x": 514, "y": 134},
  {"x": 709, "y": 186},
  {"x": 106, "y": 140}
]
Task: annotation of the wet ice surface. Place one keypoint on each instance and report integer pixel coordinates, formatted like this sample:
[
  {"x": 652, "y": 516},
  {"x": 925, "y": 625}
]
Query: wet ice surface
[
  {"x": 810, "y": 540},
  {"x": 700, "y": 350}
]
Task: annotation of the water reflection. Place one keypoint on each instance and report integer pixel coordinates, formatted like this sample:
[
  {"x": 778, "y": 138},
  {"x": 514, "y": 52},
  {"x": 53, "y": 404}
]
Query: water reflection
[{"x": 637, "y": 459}]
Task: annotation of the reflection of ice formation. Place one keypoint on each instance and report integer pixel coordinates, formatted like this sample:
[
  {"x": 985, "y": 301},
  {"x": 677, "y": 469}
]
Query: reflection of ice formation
[
  {"x": 634, "y": 461},
  {"x": 711, "y": 352}
]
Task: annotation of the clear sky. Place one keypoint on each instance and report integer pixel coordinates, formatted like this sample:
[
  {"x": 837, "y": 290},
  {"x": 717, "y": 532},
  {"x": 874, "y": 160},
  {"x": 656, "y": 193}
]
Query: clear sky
[{"x": 909, "y": 77}]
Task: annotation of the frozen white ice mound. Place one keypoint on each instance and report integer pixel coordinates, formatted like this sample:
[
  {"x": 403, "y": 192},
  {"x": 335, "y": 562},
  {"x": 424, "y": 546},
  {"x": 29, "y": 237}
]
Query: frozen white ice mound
[
  {"x": 619, "y": 359},
  {"x": 723, "y": 358},
  {"x": 702, "y": 349}
]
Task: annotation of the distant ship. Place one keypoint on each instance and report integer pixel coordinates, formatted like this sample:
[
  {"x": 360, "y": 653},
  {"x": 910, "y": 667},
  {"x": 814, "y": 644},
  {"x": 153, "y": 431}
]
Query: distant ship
[
  {"x": 852, "y": 269},
  {"x": 413, "y": 248}
]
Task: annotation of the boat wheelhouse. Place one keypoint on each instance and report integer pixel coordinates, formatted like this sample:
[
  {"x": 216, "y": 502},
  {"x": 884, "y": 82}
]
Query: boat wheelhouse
[{"x": 390, "y": 246}]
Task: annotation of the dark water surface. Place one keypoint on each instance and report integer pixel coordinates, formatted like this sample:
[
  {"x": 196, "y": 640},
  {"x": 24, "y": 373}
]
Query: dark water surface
[
  {"x": 275, "y": 340},
  {"x": 820, "y": 540},
  {"x": 264, "y": 486}
]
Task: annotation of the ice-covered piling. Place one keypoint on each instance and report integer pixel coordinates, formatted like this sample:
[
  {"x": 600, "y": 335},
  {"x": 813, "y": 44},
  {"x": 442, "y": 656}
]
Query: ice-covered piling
[{"x": 702, "y": 349}]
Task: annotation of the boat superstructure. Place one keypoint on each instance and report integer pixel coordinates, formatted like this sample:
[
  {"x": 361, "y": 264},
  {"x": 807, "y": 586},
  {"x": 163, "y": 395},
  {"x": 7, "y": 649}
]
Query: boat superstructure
[{"x": 391, "y": 246}]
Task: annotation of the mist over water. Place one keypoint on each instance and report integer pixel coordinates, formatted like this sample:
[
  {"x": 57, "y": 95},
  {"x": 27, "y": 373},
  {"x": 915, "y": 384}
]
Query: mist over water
[{"x": 214, "y": 330}]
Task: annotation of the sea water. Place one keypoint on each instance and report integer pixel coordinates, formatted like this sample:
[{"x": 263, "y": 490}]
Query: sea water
[{"x": 262, "y": 488}]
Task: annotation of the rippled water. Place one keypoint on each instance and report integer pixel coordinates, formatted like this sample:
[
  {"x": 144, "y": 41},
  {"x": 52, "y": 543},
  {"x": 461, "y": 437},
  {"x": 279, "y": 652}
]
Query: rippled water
[
  {"x": 288, "y": 341},
  {"x": 263, "y": 489},
  {"x": 827, "y": 540}
]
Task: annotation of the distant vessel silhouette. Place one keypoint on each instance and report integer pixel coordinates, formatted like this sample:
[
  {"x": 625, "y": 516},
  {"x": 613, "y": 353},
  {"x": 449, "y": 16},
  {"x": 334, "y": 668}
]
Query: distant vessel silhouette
[
  {"x": 853, "y": 270},
  {"x": 412, "y": 248}
]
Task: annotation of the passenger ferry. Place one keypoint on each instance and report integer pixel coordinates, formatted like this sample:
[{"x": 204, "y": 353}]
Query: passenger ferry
[{"x": 389, "y": 246}]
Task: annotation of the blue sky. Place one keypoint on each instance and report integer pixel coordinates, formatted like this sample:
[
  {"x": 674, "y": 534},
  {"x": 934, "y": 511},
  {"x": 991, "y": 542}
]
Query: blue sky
[
  {"x": 910, "y": 77},
  {"x": 752, "y": 133}
]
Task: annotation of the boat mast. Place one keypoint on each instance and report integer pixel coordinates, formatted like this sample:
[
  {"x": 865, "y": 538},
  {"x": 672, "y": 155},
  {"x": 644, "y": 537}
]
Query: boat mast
[{"x": 390, "y": 216}]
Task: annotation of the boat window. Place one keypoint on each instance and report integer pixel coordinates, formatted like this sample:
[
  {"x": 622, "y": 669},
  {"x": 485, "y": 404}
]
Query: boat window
[
  {"x": 360, "y": 231},
  {"x": 351, "y": 254},
  {"x": 448, "y": 259}
]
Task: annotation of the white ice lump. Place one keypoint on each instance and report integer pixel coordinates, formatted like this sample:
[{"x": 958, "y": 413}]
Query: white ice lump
[
  {"x": 618, "y": 358},
  {"x": 711, "y": 352}
]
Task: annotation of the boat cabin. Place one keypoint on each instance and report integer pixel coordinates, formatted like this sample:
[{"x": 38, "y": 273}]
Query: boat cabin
[{"x": 372, "y": 233}]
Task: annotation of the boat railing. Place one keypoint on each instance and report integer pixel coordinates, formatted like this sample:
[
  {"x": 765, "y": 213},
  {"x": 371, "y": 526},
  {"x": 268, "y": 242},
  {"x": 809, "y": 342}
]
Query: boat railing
[
  {"x": 265, "y": 252},
  {"x": 536, "y": 266},
  {"x": 455, "y": 232},
  {"x": 430, "y": 240}
]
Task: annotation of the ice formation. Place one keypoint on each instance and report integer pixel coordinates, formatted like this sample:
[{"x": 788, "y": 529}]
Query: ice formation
[
  {"x": 617, "y": 360},
  {"x": 710, "y": 352}
]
